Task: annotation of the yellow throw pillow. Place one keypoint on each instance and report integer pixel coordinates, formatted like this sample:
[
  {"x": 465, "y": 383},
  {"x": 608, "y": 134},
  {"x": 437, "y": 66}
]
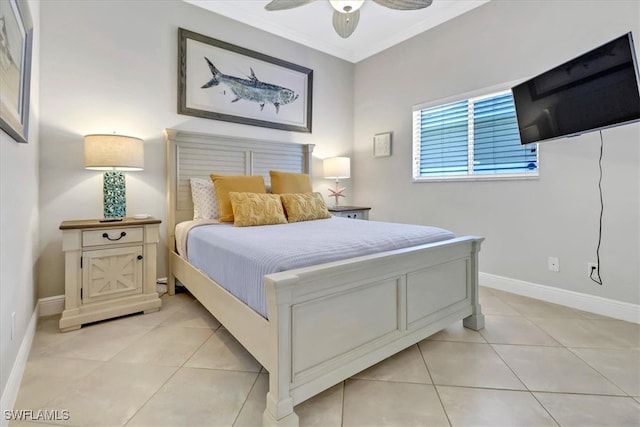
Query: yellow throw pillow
[
  {"x": 304, "y": 207},
  {"x": 256, "y": 209},
  {"x": 288, "y": 182},
  {"x": 224, "y": 184}
]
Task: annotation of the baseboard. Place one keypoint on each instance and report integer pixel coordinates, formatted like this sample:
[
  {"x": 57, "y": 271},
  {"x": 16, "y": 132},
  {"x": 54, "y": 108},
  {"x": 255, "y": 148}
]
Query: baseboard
[
  {"x": 585, "y": 302},
  {"x": 10, "y": 392},
  {"x": 51, "y": 305}
]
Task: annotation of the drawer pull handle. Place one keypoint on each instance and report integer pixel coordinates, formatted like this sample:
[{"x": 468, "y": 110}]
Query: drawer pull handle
[
  {"x": 139, "y": 257},
  {"x": 106, "y": 236}
]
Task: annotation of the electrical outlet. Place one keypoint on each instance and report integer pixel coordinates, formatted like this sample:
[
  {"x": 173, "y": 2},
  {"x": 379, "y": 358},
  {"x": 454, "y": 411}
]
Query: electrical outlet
[
  {"x": 593, "y": 269},
  {"x": 553, "y": 264}
]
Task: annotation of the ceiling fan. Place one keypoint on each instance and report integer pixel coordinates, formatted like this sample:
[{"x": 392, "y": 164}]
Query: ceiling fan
[{"x": 346, "y": 14}]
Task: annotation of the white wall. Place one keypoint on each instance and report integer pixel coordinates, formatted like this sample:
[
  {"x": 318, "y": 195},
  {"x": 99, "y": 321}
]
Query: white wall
[
  {"x": 19, "y": 219},
  {"x": 524, "y": 222},
  {"x": 112, "y": 66}
]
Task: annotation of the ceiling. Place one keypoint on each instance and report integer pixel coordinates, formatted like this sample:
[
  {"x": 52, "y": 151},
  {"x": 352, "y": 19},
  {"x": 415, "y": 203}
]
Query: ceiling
[{"x": 379, "y": 27}]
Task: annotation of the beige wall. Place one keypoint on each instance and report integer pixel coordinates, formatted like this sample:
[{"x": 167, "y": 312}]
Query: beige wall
[
  {"x": 111, "y": 66},
  {"x": 524, "y": 222}
]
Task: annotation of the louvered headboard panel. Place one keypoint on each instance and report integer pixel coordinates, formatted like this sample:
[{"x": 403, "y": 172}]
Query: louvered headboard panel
[{"x": 192, "y": 154}]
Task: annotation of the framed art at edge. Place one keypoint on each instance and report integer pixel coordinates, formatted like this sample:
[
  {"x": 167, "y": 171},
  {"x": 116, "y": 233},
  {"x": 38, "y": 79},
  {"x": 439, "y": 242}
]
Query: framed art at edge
[
  {"x": 221, "y": 81},
  {"x": 16, "y": 38}
]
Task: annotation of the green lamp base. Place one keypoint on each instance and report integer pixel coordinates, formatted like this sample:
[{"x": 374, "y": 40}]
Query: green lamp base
[{"x": 114, "y": 191}]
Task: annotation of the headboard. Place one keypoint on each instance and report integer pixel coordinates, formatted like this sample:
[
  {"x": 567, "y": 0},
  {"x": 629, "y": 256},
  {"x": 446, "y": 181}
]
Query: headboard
[{"x": 192, "y": 154}]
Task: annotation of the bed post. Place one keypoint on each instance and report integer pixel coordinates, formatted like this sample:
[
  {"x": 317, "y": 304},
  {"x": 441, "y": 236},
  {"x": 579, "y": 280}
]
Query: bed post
[
  {"x": 171, "y": 206},
  {"x": 275, "y": 409},
  {"x": 307, "y": 161},
  {"x": 279, "y": 410},
  {"x": 476, "y": 320}
]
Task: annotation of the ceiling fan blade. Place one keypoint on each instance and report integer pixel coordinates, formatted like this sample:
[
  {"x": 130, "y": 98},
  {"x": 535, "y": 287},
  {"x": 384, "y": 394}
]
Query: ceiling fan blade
[
  {"x": 345, "y": 23},
  {"x": 404, "y": 4},
  {"x": 285, "y": 4}
]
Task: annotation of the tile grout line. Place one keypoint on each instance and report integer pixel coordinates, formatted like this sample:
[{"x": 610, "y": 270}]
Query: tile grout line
[
  {"x": 525, "y": 386},
  {"x": 536, "y": 326},
  {"x": 255, "y": 382},
  {"x": 151, "y": 397},
  {"x": 580, "y": 317},
  {"x": 544, "y": 407},
  {"x": 178, "y": 368},
  {"x": 426, "y": 365},
  {"x": 598, "y": 372}
]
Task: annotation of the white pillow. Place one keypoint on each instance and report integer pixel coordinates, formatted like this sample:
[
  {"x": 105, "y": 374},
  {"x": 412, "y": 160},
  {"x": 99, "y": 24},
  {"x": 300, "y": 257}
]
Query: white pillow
[{"x": 205, "y": 201}]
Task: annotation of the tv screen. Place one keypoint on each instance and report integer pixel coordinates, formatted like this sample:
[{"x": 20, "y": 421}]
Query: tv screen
[{"x": 593, "y": 91}]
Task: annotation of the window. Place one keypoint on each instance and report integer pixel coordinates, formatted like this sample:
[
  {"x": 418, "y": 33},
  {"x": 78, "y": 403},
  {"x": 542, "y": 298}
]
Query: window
[{"x": 471, "y": 139}]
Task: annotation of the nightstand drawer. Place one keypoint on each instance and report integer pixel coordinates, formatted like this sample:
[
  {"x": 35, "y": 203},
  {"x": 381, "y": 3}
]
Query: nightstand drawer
[
  {"x": 353, "y": 212},
  {"x": 112, "y": 236}
]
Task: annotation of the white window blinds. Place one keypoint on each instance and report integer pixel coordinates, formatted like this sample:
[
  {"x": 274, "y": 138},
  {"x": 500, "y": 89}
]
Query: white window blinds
[{"x": 477, "y": 137}]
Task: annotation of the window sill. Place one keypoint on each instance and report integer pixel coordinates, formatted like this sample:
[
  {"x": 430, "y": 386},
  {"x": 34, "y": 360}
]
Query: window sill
[{"x": 504, "y": 177}]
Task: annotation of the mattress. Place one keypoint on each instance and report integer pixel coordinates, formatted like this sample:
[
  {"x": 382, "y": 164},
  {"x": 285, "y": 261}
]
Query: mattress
[{"x": 237, "y": 258}]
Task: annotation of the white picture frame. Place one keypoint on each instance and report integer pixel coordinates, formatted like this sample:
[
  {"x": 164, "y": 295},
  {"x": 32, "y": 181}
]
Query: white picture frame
[{"x": 382, "y": 144}]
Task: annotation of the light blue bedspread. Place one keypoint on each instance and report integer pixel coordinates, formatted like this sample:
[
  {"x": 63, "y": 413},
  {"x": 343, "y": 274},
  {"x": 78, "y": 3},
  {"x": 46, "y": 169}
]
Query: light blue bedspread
[{"x": 238, "y": 258}]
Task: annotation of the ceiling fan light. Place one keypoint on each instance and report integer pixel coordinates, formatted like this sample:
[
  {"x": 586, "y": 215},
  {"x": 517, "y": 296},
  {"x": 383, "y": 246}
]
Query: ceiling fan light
[
  {"x": 345, "y": 23},
  {"x": 346, "y": 6}
]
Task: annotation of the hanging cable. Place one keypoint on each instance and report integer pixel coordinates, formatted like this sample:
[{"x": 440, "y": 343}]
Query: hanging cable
[{"x": 598, "y": 278}]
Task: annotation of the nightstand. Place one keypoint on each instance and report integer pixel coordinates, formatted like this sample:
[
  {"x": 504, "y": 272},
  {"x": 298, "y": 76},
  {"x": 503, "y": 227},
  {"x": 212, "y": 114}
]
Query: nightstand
[
  {"x": 355, "y": 212},
  {"x": 110, "y": 269}
]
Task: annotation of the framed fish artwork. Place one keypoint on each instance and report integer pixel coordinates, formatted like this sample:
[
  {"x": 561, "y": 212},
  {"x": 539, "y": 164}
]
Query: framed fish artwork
[
  {"x": 16, "y": 38},
  {"x": 221, "y": 81}
]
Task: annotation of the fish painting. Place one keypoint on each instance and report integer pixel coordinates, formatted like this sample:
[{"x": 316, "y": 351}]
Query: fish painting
[{"x": 251, "y": 89}]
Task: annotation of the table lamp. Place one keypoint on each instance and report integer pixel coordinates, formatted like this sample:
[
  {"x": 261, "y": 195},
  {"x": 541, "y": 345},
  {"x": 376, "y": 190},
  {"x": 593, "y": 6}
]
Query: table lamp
[
  {"x": 113, "y": 154},
  {"x": 337, "y": 168}
]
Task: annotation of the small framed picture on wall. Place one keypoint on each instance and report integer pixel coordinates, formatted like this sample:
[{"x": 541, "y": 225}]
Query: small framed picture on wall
[{"x": 382, "y": 144}]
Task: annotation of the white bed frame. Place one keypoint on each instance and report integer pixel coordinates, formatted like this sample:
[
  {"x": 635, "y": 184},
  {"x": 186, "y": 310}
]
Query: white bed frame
[{"x": 325, "y": 322}]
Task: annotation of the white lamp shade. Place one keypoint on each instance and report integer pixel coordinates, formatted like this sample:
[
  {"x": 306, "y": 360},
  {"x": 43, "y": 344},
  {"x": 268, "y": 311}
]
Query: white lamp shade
[
  {"x": 113, "y": 152},
  {"x": 337, "y": 167}
]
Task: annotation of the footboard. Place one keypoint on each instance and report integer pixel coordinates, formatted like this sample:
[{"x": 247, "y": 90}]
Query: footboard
[{"x": 330, "y": 322}]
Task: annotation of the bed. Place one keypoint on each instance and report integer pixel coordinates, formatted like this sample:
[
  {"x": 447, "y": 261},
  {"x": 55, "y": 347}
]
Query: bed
[{"x": 326, "y": 322}]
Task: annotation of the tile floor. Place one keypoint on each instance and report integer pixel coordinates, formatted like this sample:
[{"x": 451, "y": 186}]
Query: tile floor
[{"x": 534, "y": 364}]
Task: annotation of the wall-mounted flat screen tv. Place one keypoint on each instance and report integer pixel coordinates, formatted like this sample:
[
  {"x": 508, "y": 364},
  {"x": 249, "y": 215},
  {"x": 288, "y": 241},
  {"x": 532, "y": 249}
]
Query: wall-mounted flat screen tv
[{"x": 593, "y": 91}]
